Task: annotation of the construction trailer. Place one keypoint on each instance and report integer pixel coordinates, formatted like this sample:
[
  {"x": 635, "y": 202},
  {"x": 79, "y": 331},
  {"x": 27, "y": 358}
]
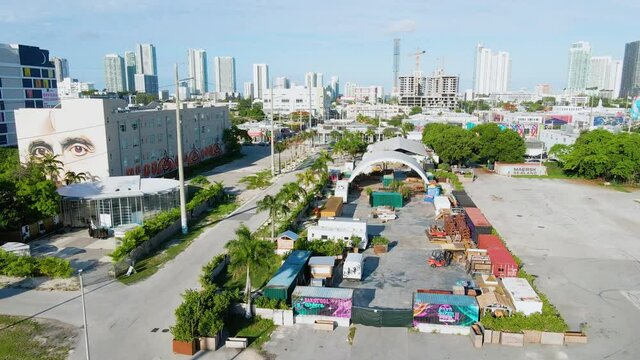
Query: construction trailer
[
  {"x": 335, "y": 229},
  {"x": 522, "y": 295},
  {"x": 332, "y": 208},
  {"x": 290, "y": 274}
]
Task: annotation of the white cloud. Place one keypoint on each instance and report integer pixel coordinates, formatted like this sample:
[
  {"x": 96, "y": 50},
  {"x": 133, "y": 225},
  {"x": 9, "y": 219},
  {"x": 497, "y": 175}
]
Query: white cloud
[{"x": 402, "y": 26}]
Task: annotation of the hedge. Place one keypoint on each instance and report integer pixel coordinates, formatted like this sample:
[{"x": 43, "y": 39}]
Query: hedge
[
  {"x": 27, "y": 266},
  {"x": 206, "y": 278}
]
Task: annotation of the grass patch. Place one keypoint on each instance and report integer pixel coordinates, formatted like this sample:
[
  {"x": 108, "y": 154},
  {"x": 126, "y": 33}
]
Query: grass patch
[
  {"x": 150, "y": 265},
  {"x": 259, "y": 180},
  {"x": 32, "y": 340},
  {"x": 257, "y": 330},
  {"x": 351, "y": 335}
]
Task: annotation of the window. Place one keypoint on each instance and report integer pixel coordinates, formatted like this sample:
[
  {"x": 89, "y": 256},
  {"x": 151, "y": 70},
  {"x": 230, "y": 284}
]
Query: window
[
  {"x": 3, "y": 139},
  {"x": 27, "y": 83},
  {"x": 1, "y": 105},
  {"x": 298, "y": 101},
  {"x": 123, "y": 127},
  {"x": 39, "y": 104},
  {"x": 160, "y": 138},
  {"x": 285, "y": 101},
  {"x": 35, "y": 73},
  {"x": 123, "y": 144},
  {"x": 135, "y": 142},
  {"x": 29, "y": 104},
  {"x": 45, "y": 83},
  {"x": 3, "y": 128},
  {"x": 26, "y": 72},
  {"x": 202, "y": 129},
  {"x": 134, "y": 125}
]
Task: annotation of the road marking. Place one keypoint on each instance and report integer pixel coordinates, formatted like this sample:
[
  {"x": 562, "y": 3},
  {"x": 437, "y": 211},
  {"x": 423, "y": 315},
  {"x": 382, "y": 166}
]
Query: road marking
[{"x": 633, "y": 296}]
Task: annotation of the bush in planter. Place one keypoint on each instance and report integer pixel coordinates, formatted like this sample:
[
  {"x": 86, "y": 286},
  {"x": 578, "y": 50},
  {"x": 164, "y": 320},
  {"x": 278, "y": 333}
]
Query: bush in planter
[
  {"x": 187, "y": 317},
  {"x": 380, "y": 240}
]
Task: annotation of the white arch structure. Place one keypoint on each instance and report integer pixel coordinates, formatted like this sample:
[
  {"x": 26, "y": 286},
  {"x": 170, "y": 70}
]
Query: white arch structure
[{"x": 388, "y": 156}]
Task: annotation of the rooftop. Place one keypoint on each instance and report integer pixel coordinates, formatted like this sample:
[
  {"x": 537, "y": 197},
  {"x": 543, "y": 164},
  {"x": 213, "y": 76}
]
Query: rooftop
[
  {"x": 117, "y": 187},
  {"x": 398, "y": 144}
]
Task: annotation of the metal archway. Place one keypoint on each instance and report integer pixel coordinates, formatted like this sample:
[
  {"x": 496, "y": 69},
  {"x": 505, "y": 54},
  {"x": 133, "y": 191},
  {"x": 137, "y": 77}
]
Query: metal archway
[{"x": 388, "y": 156}]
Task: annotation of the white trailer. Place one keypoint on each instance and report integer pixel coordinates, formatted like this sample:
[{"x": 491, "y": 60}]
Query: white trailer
[
  {"x": 522, "y": 295},
  {"x": 352, "y": 267}
]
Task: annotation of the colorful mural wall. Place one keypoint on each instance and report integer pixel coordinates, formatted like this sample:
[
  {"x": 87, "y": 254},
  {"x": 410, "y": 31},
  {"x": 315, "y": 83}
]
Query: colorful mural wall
[
  {"x": 444, "y": 312},
  {"x": 167, "y": 163},
  {"x": 321, "y": 306}
]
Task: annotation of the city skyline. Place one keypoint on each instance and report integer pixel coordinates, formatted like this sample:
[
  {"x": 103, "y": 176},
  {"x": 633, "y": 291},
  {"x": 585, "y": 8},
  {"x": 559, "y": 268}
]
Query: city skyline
[{"x": 364, "y": 43}]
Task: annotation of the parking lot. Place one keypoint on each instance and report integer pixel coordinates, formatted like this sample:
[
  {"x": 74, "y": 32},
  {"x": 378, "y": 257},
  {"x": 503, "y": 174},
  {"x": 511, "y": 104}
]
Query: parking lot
[{"x": 389, "y": 280}]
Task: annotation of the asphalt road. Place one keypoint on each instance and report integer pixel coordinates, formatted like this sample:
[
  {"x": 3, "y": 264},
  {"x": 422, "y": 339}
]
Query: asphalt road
[{"x": 132, "y": 322}]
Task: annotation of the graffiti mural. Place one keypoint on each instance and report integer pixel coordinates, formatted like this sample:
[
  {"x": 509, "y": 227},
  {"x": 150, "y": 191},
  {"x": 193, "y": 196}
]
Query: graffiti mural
[
  {"x": 322, "y": 306},
  {"x": 435, "y": 309},
  {"x": 167, "y": 163}
]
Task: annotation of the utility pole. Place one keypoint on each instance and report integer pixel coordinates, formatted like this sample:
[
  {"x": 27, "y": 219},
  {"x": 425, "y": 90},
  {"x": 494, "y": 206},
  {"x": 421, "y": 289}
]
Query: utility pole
[
  {"x": 310, "y": 121},
  {"x": 84, "y": 317},
  {"x": 183, "y": 205},
  {"x": 273, "y": 159}
]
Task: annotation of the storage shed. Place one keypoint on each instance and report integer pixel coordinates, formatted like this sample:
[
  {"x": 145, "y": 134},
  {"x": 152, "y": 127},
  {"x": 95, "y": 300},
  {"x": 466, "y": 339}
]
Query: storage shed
[
  {"x": 312, "y": 303},
  {"x": 288, "y": 275},
  {"x": 478, "y": 224},
  {"x": 502, "y": 263},
  {"x": 332, "y": 208},
  {"x": 286, "y": 242},
  {"x": 522, "y": 295},
  {"x": 322, "y": 266},
  {"x": 380, "y": 198},
  {"x": 443, "y": 309}
]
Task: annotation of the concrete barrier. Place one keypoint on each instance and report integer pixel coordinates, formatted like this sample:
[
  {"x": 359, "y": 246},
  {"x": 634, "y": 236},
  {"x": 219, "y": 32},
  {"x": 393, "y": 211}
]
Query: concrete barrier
[
  {"x": 511, "y": 339},
  {"x": 552, "y": 338},
  {"x": 236, "y": 343}
]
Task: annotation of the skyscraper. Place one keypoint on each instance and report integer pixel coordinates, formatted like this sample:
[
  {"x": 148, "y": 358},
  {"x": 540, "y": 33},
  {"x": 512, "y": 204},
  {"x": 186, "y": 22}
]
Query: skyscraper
[
  {"x": 130, "y": 64},
  {"x": 248, "y": 90},
  {"x": 599, "y": 72},
  {"x": 146, "y": 61},
  {"x": 579, "y": 64},
  {"x": 630, "y": 85},
  {"x": 335, "y": 87},
  {"x": 114, "y": 78},
  {"x": 260, "y": 80},
  {"x": 62, "y": 68},
  {"x": 197, "y": 60},
  {"x": 225, "y": 68},
  {"x": 492, "y": 71},
  {"x": 319, "y": 80},
  {"x": 310, "y": 79},
  {"x": 282, "y": 83},
  {"x": 615, "y": 77},
  {"x": 28, "y": 81}
]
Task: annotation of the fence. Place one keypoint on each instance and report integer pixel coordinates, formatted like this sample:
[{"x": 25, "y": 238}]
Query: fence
[{"x": 382, "y": 317}]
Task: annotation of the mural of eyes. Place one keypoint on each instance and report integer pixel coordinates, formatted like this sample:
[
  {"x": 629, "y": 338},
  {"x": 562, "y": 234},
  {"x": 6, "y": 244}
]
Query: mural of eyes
[
  {"x": 39, "y": 148},
  {"x": 77, "y": 147}
]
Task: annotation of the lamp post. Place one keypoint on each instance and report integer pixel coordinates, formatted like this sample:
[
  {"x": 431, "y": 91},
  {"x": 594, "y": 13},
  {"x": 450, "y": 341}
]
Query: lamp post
[
  {"x": 273, "y": 159},
  {"x": 183, "y": 203},
  {"x": 84, "y": 317}
]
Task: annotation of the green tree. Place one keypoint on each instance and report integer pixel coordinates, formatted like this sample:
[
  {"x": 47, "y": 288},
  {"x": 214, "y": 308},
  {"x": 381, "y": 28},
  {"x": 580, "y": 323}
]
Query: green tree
[
  {"x": 249, "y": 256},
  {"x": 306, "y": 177},
  {"x": 415, "y": 110},
  {"x": 388, "y": 133},
  {"x": 145, "y": 99},
  {"x": 279, "y": 147},
  {"x": 51, "y": 165},
  {"x": 71, "y": 177},
  {"x": 453, "y": 144},
  {"x": 495, "y": 144},
  {"x": 350, "y": 143},
  {"x": 275, "y": 207}
]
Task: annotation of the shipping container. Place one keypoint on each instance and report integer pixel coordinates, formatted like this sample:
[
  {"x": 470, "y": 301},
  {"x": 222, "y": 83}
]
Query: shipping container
[
  {"x": 393, "y": 199},
  {"x": 463, "y": 199},
  {"x": 478, "y": 224},
  {"x": 322, "y": 301},
  {"x": 333, "y": 207},
  {"x": 443, "y": 309},
  {"x": 502, "y": 263},
  {"x": 486, "y": 241},
  {"x": 288, "y": 275}
]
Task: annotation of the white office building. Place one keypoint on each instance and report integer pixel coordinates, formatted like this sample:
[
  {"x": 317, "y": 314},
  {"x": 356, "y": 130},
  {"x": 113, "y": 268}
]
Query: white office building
[
  {"x": 579, "y": 63},
  {"x": 310, "y": 79},
  {"x": 147, "y": 84},
  {"x": 146, "y": 61},
  {"x": 320, "y": 80},
  {"x": 71, "y": 88},
  {"x": 114, "y": 74},
  {"x": 225, "y": 68},
  {"x": 247, "y": 92},
  {"x": 104, "y": 137},
  {"x": 27, "y": 79},
  {"x": 349, "y": 89},
  {"x": 260, "y": 80},
  {"x": 198, "y": 74},
  {"x": 130, "y": 70},
  {"x": 299, "y": 98},
  {"x": 368, "y": 94},
  {"x": 492, "y": 71},
  {"x": 282, "y": 82},
  {"x": 615, "y": 78},
  {"x": 599, "y": 72},
  {"x": 61, "y": 66}
]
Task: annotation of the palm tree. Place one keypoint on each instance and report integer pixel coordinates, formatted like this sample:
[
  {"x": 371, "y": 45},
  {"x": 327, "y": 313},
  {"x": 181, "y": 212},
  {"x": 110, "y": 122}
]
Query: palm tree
[
  {"x": 52, "y": 166},
  {"x": 291, "y": 191},
  {"x": 71, "y": 177},
  {"x": 249, "y": 255},
  {"x": 307, "y": 177},
  {"x": 279, "y": 148},
  {"x": 325, "y": 156},
  {"x": 274, "y": 206},
  {"x": 370, "y": 135},
  {"x": 388, "y": 133}
]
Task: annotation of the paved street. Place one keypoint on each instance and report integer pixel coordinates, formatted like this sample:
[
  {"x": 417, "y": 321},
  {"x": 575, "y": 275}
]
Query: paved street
[{"x": 132, "y": 322}]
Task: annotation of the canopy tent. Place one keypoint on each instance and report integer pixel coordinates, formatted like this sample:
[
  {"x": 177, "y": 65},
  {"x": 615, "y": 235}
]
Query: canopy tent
[{"x": 388, "y": 156}]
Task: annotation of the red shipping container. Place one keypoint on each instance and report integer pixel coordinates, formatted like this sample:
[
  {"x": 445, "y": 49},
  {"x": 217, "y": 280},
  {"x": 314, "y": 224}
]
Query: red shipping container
[
  {"x": 476, "y": 217},
  {"x": 502, "y": 263},
  {"x": 487, "y": 242}
]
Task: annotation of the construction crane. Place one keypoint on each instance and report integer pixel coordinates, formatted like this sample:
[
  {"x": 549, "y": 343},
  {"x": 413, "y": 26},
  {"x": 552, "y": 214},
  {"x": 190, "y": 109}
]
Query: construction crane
[{"x": 417, "y": 54}]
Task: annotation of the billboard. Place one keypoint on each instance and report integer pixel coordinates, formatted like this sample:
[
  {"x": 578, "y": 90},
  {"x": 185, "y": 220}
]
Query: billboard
[
  {"x": 557, "y": 119},
  {"x": 608, "y": 120}
]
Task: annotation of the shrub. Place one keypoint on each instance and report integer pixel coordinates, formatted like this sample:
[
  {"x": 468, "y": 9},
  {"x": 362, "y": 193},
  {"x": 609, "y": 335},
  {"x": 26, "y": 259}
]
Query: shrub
[
  {"x": 266, "y": 303},
  {"x": 187, "y": 315},
  {"x": 131, "y": 240},
  {"x": 200, "y": 180},
  {"x": 21, "y": 266},
  {"x": 27, "y": 266},
  {"x": 206, "y": 278},
  {"x": 54, "y": 267},
  {"x": 202, "y": 313},
  {"x": 380, "y": 240},
  {"x": 321, "y": 248}
]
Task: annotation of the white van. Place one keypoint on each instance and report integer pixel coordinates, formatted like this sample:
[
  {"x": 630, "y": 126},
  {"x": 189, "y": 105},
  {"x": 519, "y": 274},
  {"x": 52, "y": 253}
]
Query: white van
[{"x": 352, "y": 267}]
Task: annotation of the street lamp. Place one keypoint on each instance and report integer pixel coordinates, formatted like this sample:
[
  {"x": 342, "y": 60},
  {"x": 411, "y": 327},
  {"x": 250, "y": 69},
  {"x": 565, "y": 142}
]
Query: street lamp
[
  {"x": 183, "y": 202},
  {"x": 84, "y": 317}
]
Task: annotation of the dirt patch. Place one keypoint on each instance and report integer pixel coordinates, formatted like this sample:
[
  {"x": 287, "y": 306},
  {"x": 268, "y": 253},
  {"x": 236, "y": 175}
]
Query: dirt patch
[
  {"x": 40, "y": 283},
  {"x": 24, "y": 338}
]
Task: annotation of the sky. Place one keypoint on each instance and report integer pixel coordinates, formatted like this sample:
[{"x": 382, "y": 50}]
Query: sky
[{"x": 352, "y": 39}]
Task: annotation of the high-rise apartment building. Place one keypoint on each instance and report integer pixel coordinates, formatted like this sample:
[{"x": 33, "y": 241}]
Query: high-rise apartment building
[
  {"x": 492, "y": 71},
  {"x": 615, "y": 77},
  {"x": 61, "y": 66},
  {"x": 319, "y": 80},
  {"x": 310, "y": 79},
  {"x": 146, "y": 61},
  {"x": 442, "y": 90},
  {"x": 630, "y": 84},
  {"x": 130, "y": 66},
  {"x": 147, "y": 84},
  {"x": 27, "y": 80},
  {"x": 260, "y": 80},
  {"x": 247, "y": 92},
  {"x": 282, "y": 82},
  {"x": 579, "y": 64},
  {"x": 349, "y": 89},
  {"x": 335, "y": 87},
  {"x": 225, "y": 68},
  {"x": 114, "y": 74},
  {"x": 599, "y": 72},
  {"x": 198, "y": 77}
]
